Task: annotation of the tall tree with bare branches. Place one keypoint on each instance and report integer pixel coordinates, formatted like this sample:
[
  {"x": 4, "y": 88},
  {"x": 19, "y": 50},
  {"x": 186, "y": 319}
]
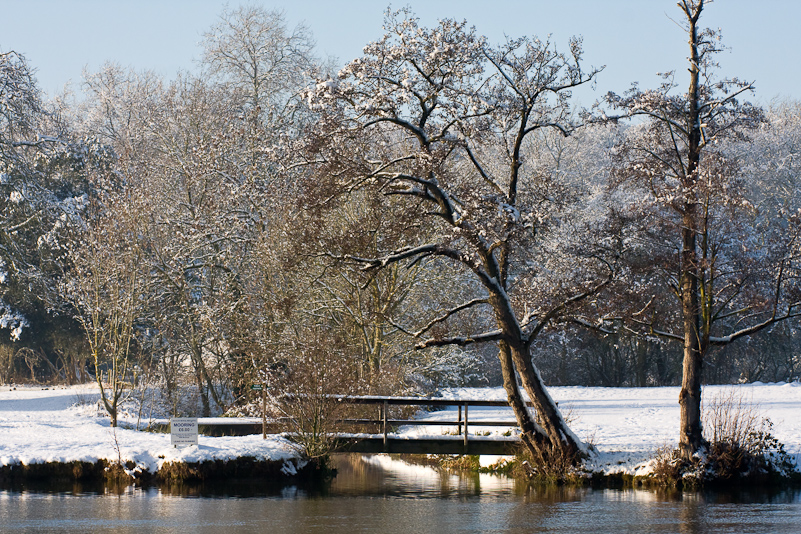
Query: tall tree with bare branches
[
  {"x": 438, "y": 122},
  {"x": 692, "y": 206}
]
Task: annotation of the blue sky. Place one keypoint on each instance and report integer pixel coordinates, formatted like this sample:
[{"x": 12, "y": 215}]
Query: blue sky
[{"x": 635, "y": 39}]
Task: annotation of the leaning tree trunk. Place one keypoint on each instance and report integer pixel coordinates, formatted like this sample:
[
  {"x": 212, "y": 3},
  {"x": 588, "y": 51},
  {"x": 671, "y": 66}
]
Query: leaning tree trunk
[
  {"x": 549, "y": 436},
  {"x": 531, "y": 435},
  {"x": 561, "y": 440}
]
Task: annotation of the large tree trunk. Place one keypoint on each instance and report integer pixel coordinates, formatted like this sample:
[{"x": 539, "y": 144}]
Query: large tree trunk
[
  {"x": 690, "y": 434},
  {"x": 561, "y": 439},
  {"x": 549, "y": 436}
]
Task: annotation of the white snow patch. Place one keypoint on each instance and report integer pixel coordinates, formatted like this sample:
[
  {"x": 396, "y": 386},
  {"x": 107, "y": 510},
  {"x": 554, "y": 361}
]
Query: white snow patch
[
  {"x": 493, "y": 460},
  {"x": 63, "y": 424},
  {"x": 626, "y": 426}
]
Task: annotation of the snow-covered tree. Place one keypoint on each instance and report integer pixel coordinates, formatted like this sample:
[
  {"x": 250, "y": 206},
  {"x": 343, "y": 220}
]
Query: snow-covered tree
[
  {"x": 437, "y": 123},
  {"x": 117, "y": 112},
  {"x": 43, "y": 189},
  {"x": 693, "y": 229},
  {"x": 252, "y": 49}
]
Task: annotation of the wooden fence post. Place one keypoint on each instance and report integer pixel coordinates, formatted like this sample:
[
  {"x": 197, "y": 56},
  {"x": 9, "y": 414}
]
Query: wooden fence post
[
  {"x": 263, "y": 413},
  {"x": 465, "y": 428},
  {"x": 386, "y": 409}
]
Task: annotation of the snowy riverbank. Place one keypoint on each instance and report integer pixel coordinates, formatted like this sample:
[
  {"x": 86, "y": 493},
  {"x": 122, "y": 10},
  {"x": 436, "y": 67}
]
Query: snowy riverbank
[
  {"x": 63, "y": 424},
  {"x": 626, "y": 425}
]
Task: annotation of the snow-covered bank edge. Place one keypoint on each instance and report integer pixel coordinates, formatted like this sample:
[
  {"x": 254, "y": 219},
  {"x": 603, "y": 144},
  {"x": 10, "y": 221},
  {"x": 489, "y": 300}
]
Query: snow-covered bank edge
[
  {"x": 60, "y": 432},
  {"x": 268, "y": 472},
  {"x": 657, "y": 473},
  {"x": 64, "y": 426},
  {"x": 632, "y": 429}
]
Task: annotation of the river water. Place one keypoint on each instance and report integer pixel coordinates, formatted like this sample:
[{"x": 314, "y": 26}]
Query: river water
[{"x": 378, "y": 494}]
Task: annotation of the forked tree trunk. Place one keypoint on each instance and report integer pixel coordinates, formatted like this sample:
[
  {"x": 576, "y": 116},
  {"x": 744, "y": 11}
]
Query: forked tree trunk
[
  {"x": 561, "y": 439},
  {"x": 547, "y": 436},
  {"x": 531, "y": 436}
]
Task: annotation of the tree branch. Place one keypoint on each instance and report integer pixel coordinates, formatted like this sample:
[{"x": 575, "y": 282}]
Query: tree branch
[
  {"x": 725, "y": 340},
  {"x": 486, "y": 337},
  {"x": 448, "y": 314}
]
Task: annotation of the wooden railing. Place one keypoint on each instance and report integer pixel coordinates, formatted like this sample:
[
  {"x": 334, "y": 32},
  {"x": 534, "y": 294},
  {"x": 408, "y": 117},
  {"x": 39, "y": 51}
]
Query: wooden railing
[{"x": 386, "y": 423}]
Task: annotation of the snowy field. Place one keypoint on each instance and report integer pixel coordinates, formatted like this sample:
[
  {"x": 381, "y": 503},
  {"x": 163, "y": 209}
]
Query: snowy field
[
  {"x": 626, "y": 425},
  {"x": 63, "y": 424}
]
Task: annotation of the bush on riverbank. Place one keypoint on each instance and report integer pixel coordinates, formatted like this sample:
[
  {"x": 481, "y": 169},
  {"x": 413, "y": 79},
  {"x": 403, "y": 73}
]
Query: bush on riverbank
[
  {"x": 761, "y": 462},
  {"x": 742, "y": 450}
]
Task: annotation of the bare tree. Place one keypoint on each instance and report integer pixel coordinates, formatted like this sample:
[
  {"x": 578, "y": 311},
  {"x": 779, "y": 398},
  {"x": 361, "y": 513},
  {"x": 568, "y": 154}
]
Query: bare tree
[
  {"x": 119, "y": 112},
  {"x": 201, "y": 228},
  {"x": 694, "y": 214},
  {"x": 107, "y": 286},
  {"x": 253, "y": 50},
  {"x": 438, "y": 122}
]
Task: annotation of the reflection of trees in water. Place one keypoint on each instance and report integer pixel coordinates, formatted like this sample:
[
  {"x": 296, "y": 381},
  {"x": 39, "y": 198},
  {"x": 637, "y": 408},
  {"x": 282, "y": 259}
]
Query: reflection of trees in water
[
  {"x": 692, "y": 515},
  {"x": 298, "y": 510},
  {"x": 384, "y": 475}
]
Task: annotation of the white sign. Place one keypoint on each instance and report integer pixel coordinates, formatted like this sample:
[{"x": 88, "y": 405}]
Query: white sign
[{"x": 183, "y": 431}]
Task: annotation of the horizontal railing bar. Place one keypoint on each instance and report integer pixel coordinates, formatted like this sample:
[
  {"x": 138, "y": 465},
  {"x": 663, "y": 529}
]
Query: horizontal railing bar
[
  {"x": 417, "y": 401},
  {"x": 423, "y": 422}
]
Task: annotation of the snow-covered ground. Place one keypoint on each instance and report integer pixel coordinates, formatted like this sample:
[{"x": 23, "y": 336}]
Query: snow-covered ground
[
  {"x": 63, "y": 424},
  {"x": 626, "y": 425}
]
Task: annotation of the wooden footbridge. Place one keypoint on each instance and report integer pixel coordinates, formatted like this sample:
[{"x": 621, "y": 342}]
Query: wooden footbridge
[
  {"x": 388, "y": 441},
  {"x": 382, "y": 434}
]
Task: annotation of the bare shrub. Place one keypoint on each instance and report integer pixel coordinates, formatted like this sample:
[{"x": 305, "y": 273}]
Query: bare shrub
[
  {"x": 316, "y": 369},
  {"x": 757, "y": 454},
  {"x": 666, "y": 470},
  {"x": 731, "y": 418},
  {"x": 741, "y": 444},
  {"x": 741, "y": 447}
]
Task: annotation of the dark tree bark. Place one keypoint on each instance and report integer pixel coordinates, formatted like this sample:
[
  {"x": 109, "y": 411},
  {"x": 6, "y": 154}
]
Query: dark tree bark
[
  {"x": 679, "y": 147},
  {"x": 690, "y": 438},
  {"x": 440, "y": 120}
]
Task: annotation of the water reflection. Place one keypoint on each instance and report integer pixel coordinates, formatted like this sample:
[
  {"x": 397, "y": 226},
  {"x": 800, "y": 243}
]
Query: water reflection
[
  {"x": 382, "y": 494},
  {"x": 390, "y": 476}
]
